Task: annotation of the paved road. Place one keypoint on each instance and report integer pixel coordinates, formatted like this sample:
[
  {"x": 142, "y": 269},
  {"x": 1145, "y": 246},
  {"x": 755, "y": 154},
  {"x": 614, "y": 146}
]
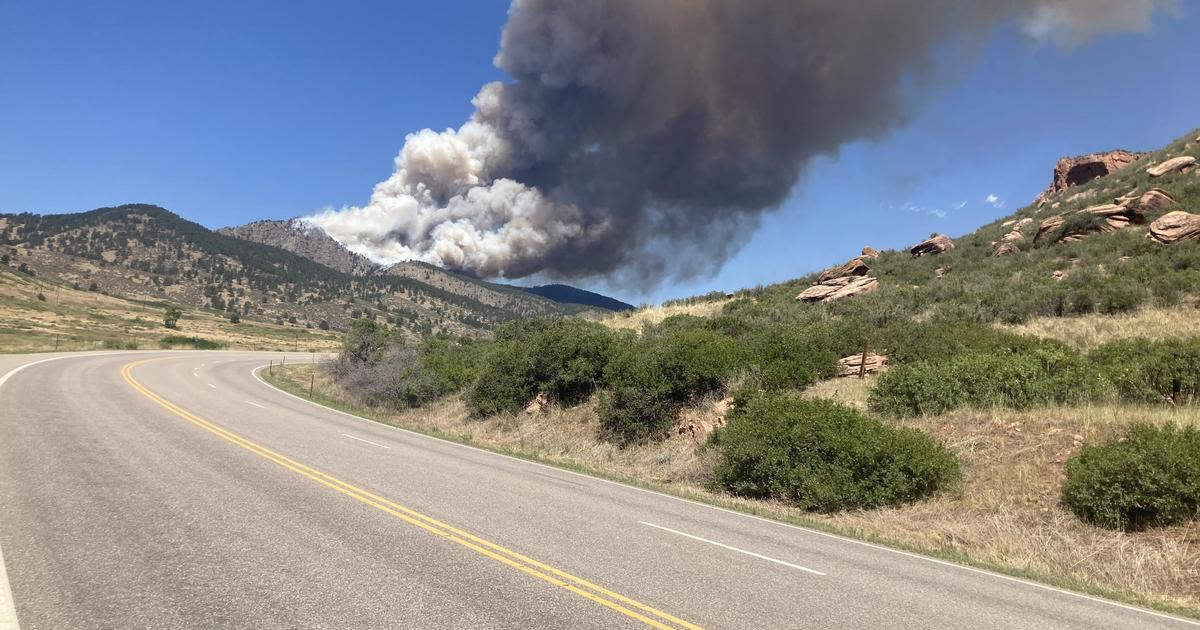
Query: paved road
[{"x": 182, "y": 492}]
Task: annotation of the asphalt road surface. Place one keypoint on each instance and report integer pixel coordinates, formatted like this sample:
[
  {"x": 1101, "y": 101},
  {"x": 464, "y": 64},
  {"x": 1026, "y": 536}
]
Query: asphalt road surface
[{"x": 176, "y": 490}]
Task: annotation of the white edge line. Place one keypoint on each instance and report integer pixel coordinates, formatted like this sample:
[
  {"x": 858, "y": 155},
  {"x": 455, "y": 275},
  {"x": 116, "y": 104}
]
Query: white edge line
[
  {"x": 1046, "y": 587},
  {"x": 8, "y": 606},
  {"x": 724, "y": 546},
  {"x": 367, "y": 441},
  {"x": 254, "y": 404}
]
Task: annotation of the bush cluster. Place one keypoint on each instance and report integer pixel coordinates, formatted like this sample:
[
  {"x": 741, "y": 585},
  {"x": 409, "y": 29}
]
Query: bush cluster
[
  {"x": 1152, "y": 371},
  {"x": 1150, "y": 477},
  {"x": 650, "y": 378},
  {"x": 564, "y": 358},
  {"x": 382, "y": 369},
  {"x": 1046, "y": 373},
  {"x": 822, "y": 456}
]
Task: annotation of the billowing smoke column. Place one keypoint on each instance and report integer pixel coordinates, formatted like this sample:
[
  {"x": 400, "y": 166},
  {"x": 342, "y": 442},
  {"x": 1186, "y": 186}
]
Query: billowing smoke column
[{"x": 642, "y": 137}]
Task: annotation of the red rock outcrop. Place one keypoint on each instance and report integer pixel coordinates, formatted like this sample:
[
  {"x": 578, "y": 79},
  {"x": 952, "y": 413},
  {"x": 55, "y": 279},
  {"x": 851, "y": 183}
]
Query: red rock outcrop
[
  {"x": 1005, "y": 249},
  {"x": 933, "y": 245},
  {"x": 1115, "y": 217},
  {"x": 1175, "y": 226},
  {"x": 838, "y": 288},
  {"x": 1073, "y": 171},
  {"x": 852, "y": 267},
  {"x": 1152, "y": 200},
  {"x": 869, "y": 252}
]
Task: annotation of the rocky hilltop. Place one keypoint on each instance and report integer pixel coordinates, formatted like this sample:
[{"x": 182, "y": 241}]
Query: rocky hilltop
[{"x": 303, "y": 239}]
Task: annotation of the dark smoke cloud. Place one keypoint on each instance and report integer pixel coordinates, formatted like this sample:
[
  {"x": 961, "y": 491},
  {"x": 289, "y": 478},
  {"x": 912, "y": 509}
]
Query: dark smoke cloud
[{"x": 633, "y": 128}]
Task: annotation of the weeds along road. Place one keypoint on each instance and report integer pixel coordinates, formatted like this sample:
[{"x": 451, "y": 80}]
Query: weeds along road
[{"x": 176, "y": 490}]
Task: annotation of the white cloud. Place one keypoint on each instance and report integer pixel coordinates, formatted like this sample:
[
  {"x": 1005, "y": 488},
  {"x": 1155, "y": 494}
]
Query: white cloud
[
  {"x": 909, "y": 206},
  {"x": 960, "y": 205},
  {"x": 994, "y": 201}
]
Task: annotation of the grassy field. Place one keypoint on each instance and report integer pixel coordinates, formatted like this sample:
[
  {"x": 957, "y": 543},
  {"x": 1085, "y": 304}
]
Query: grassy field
[
  {"x": 1087, "y": 332},
  {"x": 70, "y": 319},
  {"x": 636, "y": 319},
  {"x": 1005, "y": 515}
]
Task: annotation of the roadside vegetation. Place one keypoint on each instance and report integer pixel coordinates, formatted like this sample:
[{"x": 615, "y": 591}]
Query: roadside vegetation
[{"x": 1008, "y": 428}]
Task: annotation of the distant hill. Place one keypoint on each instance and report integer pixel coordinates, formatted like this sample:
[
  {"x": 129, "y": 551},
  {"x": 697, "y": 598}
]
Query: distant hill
[
  {"x": 566, "y": 294},
  {"x": 144, "y": 252},
  {"x": 313, "y": 243}
]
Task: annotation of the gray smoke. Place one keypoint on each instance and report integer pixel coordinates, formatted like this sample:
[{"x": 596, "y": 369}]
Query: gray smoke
[{"x": 647, "y": 137}]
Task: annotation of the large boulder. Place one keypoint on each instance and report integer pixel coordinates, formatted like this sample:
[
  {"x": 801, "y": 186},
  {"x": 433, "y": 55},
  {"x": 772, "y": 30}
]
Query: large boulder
[
  {"x": 1153, "y": 200},
  {"x": 933, "y": 245},
  {"x": 852, "y": 267},
  {"x": 1175, "y": 226},
  {"x": 1073, "y": 171},
  {"x": 838, "y": 288},
  {"x": 1005, "y": 249},
  {"x": 869, "y": 252},
  {"x": 1171, "y": 165}
]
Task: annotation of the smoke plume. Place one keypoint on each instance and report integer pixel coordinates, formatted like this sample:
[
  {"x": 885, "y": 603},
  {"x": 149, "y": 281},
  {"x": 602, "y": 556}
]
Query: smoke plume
[{"x": 645, "y": 138}]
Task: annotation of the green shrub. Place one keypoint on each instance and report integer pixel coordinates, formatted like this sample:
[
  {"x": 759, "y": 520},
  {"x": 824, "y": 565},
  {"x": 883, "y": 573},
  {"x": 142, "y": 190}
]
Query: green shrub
[
  {"x": 783, "y": 357},
  {"x": 823, "y": 456},
  {"x": 1152, "y": 371},
  {"x": 1046, "y": 374},
  {"x": 652, "y": 377},
  {"x": 454, "y": 361},
  {"x": 563, "y": 358},
  {"x": 1150, "y": 477}
]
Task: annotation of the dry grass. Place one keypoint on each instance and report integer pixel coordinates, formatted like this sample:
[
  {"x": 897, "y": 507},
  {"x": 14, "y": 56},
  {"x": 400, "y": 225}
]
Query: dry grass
[
  {"x": 71, "y": 319},
  {"x": 1086, "y": 332},
  {"x": 636, "y": 320},
  {"x": 1005, "y": 513}
]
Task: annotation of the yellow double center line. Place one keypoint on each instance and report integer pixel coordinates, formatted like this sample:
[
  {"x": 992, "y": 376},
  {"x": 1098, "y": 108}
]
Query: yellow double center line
[{"x": 615, "y": 601}]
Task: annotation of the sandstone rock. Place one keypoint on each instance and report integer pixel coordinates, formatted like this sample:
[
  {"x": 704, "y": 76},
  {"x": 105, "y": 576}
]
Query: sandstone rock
[
  {"x": 538, "y": 404},
  {"x": 869, "y": 252},
  {"x": 1005, "y": 249},
  {"x": 1115, "y": 217},
  {"x": 1012, "y": 237},
  {"x": 697, "y": 424},
  {"x": 1153, "y": 201},
  {"x": 1173, "y": 164},
  {"x": 852, "y": 267},
  {"x": 838, "y": 288},
  {"x": 1059, "y": 275},
  {"x": 1175, "y": 226},
  {"x": 933, "y": 245},
  {"x": 1073, "y": 171},
  {"x": 850, "y": 366},
  {"x": 1048, "y": 225}
]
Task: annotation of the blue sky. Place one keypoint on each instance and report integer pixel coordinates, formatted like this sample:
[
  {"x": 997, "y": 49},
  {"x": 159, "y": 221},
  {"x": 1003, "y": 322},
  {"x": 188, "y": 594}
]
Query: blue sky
[{"x": 228, "y": 112}]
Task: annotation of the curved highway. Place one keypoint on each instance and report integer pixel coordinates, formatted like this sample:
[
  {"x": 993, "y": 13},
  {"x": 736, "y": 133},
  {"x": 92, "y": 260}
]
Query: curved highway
[{"x": 176, "y": 490}]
